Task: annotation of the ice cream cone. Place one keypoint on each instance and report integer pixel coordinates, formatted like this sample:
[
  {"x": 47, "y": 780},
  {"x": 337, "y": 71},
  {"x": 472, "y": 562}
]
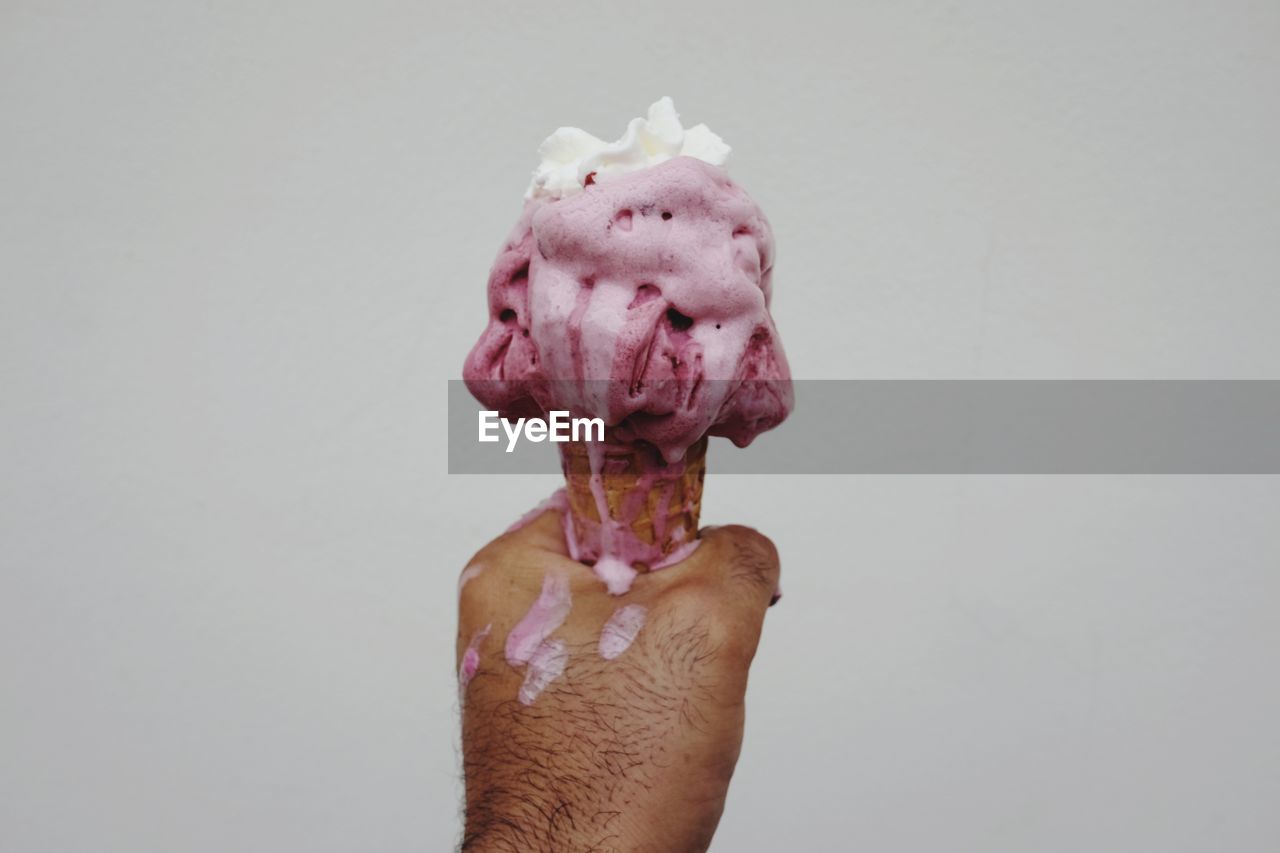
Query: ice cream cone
[
  {"x": 635, "y": 289},
  {"x": 627, "y": 504}
]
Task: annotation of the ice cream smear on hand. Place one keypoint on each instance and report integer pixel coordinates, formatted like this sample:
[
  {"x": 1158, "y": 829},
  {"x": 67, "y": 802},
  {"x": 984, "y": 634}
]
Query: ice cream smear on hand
[
  {"x": 635, "y": 288},
  {"x": 470, "y": 664},
  {"x": 620, "y": 631},
  {"x": 545, "y": 615}
]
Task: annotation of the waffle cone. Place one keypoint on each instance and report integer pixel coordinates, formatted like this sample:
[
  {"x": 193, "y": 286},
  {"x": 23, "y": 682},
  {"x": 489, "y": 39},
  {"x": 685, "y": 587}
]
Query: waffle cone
[{"x": 626, "y": 501}]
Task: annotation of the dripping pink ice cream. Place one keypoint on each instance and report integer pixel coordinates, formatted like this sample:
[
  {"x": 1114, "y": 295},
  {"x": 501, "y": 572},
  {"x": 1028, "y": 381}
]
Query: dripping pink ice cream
[
  {"x": 635, "y": 288},
  {"x": 647, "y": 287}
]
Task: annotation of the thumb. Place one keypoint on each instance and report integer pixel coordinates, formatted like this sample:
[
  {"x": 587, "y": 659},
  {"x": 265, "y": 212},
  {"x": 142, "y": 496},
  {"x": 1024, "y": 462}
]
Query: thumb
[{"x": 749, "y": 564}]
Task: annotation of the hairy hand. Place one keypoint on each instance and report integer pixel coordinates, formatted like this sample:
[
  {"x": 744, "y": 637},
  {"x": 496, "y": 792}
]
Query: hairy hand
[{"x": 571, "y": 751}]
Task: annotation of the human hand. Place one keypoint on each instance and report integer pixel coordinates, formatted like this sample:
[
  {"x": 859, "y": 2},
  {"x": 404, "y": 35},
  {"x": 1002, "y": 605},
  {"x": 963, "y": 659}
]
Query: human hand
[{"x": 570, "y": 751}]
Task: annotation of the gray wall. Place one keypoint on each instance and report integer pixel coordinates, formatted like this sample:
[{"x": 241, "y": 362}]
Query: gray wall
[{"x": 242, "y": 247}]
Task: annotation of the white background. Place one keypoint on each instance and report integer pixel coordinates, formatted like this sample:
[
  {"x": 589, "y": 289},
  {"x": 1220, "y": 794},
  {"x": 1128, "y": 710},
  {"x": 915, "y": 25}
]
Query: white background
[{"x": 244, "y": 245}]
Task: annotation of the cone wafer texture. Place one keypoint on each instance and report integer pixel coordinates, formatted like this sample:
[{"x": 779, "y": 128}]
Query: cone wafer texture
[{"x": 627, "y": 502}]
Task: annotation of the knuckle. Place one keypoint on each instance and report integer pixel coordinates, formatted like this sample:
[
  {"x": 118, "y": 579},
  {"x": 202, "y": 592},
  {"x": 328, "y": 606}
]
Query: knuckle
[
  {"x": 718, "y": 612},
  {"x": 694, "y": 598},
  {"x": 754, "y": 558},
  {"x": 477, "y": 580}
]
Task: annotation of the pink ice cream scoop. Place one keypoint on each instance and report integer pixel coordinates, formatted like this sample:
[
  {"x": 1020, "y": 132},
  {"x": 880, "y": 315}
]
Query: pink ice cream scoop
[
  {"x": 643, "y": 301},
  {"x": 639, "y": 295}
]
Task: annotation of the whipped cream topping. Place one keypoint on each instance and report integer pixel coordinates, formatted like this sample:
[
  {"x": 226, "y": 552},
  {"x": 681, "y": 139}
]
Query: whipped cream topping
[{"x": 570, "y": 154}]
